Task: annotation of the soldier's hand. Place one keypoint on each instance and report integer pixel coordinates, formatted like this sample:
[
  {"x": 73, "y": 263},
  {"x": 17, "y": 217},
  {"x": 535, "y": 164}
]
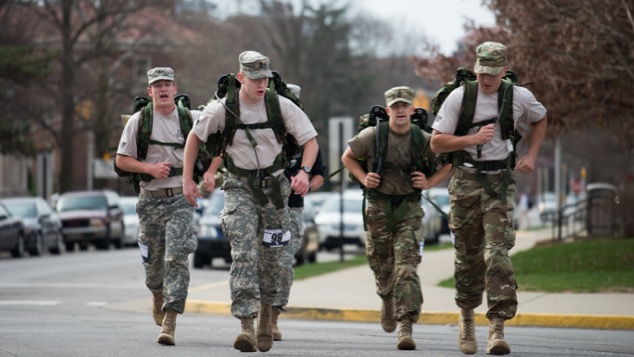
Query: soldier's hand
[
  {"x": 419, "y": 180},
  {"x": 160, "y": 170},
  {"x": 372, "y": 180},
  {"x": 209, "y": 181},
  {"x": 300, "y": 184},
  {"x": 190, "y": 191},
  {"x": 525, "y": 165},
  {"x": 485, "y": 134}
]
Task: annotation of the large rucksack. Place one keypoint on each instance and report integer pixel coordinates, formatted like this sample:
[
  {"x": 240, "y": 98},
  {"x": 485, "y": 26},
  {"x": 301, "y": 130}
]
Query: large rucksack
[
  {"x": 465, "y": 77},
  {"x": 143, "y": 105},
  {"x": 379, "y": 118},
  {"x": 228, "y": 85}
]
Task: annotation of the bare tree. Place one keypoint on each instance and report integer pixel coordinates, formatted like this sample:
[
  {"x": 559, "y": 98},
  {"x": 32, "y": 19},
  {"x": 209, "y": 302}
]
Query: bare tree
[{"x": 581, "y": 54}]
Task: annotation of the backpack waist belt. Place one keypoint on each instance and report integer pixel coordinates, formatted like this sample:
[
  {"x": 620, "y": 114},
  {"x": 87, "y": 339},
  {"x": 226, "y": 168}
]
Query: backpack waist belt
[
  {"x": 259, "y": 179},
  {"x": 474, "y": 175},
  {"x": 492, "y": 165},
  {"x": 262, "y": 182},
  {"x": 174, "y": 171},
  {"x": 164, "y": 192},
  {"x": 483, "y": 178},
  {"x": 374, "y": 195}
]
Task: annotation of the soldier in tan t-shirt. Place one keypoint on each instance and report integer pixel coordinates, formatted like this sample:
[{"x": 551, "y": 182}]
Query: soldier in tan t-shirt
[{"x": 255, "y": 219}]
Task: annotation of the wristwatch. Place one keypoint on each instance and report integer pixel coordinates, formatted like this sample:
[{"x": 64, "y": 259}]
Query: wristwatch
[{"x": 306, "y": 169}]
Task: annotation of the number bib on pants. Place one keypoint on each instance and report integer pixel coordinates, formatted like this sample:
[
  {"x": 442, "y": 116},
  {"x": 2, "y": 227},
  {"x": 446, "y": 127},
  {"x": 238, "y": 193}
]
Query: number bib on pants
[{"x": 276, "y": 238}]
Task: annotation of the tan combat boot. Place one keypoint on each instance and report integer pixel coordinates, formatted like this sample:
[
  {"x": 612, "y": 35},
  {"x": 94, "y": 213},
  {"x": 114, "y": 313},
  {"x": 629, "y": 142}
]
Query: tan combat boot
[
  {"x": 277, "y": 334},
  {"x": 245, "y": 342},
  {"x": 387, "y": 315},
  {"x": 157, "y": 308},
  {"x": 497, "y": 346},
  {"x": 265, "y": 331},
  {"x": 466, "y": 338},
  {"x": 405, "y": 340},
  {"x": 169, "y": 326}
]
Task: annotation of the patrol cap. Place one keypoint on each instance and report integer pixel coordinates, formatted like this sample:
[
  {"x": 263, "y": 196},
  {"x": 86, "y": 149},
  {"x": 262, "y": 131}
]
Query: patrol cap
[
  {"x": 491, "y": 58},
  {"x": 399, "y": 94},
  {"x": 254, "y": 65},
  {"x": 160, "y": 73}
]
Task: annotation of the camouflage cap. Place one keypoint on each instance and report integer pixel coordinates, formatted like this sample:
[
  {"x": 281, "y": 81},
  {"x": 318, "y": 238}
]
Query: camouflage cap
[
  {"x": 160, "y": 73},
  {"x": 399, "y": 94},
  {"x": 254, "y": 65},
  {"x": 491, "y": 58}
]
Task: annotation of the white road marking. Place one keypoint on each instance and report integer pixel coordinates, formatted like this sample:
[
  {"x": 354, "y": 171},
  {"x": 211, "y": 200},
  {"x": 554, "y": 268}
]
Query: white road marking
[{"x": 29, "y": 302}]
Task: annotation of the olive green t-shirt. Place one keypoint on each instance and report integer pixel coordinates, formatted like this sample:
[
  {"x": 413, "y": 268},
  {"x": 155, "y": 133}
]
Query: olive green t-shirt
[{"x": 395, "y": 177}]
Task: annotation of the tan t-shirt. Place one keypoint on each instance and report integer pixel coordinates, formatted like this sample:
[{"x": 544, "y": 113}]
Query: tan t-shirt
[
  {"x": 166, "y": 129},
  {"x": 241, "y": 151},
  {"x": 395, "y": 177}
]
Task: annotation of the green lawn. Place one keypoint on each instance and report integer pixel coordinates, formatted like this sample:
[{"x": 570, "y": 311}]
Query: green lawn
[{"x": 582, "y": 266}]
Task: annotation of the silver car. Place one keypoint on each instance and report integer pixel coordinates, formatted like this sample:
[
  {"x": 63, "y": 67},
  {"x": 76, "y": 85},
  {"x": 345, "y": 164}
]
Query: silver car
[{"x": 42, "y": 226}]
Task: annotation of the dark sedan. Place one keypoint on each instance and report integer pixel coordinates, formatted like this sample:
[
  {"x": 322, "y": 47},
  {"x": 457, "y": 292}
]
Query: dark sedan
[
  {"x": 212, "y": 243},
  {"x": 11, "y": 233},
  {"x": 42, "y": 226}
]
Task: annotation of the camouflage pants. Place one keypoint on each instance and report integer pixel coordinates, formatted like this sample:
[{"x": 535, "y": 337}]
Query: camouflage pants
[
  {"x": 484, "y": 234},
  {"x": 166, "y": 238},
  {"x": 255, "y": 270},
  {"x": 393, "y": 256}
]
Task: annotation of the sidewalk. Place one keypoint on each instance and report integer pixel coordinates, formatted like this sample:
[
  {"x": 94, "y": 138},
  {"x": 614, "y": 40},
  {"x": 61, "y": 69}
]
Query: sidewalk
[{"x": 350, "y": 295}]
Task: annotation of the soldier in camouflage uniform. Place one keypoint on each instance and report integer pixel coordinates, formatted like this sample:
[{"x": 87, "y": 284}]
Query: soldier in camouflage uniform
[
  {"x": 166, "y": 233},
  {"x": 394, "y": 213},
  {"x": 253, "y": 222},
  {"x": 483, "y": 222}
]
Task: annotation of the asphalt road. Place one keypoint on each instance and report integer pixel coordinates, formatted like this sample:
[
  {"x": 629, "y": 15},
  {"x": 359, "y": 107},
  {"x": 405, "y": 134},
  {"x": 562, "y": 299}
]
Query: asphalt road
[{"x": 68, "y": 306}]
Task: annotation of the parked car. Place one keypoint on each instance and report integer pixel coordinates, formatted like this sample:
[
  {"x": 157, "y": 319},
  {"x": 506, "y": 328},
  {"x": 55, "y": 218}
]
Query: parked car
[
  {"x": 130, "y": 220},
  {"x": 432, "y": 223},
  {"x": 310, "y": 243},
  {"x": 211, "y": 241},
  {"x": 42, "y": 226},
  {"x": 11, "y": 233},
  {"x": 440, "y": 196},
  {"x": 547, "y": 206},
  {"x": 91, "y": 217},
  {"x": 329, "y": 220},
  {"x": 314, "y": 200}
]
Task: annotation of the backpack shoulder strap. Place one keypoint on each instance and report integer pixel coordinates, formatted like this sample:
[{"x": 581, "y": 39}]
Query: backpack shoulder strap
[
  {"x": 382, "y": 131},
  {"x": 274, "y": 114},
  {"x": 467, "y": 109},
  {"x": 505, "y": 106},
  {"x": 232, "y": 117},
  {"x": 144, "y": 131}
]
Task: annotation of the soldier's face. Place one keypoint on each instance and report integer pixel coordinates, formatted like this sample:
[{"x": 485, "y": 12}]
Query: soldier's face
[
  {"x": 400, "y": 113},
  {"x": 488, "y": 83},
  {"x": 252, "y": 90},
  {"x": 162, "y": 93}
]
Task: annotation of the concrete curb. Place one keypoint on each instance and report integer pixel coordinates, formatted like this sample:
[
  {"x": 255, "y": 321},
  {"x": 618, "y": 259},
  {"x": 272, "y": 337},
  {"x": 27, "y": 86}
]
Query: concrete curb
[{"x": 433, "y": 318}]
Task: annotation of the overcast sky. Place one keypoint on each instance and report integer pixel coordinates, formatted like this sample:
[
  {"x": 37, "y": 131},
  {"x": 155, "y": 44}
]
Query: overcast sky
[{"x": 440, "y": 20}]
